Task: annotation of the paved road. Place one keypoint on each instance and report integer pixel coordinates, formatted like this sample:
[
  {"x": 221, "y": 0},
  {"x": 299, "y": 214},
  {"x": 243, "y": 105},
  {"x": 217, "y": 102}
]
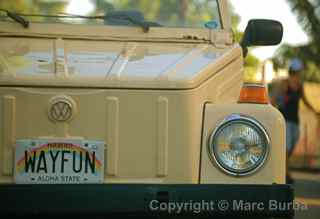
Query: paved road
[{"x": 307, "y": 191}]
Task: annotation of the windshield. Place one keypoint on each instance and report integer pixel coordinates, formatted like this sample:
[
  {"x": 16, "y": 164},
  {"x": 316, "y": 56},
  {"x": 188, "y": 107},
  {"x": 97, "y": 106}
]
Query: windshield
[{"x": 160, "y": 13}]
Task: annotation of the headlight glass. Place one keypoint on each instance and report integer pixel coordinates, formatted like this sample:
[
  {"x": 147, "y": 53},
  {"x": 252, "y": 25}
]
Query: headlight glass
[{"x": 239, "y": 145}]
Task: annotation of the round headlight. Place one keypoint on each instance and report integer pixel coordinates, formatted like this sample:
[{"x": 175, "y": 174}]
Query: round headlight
[{"x": 240, "y": 145}]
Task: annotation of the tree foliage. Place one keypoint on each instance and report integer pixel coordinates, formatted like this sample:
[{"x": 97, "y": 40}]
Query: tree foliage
[
  {"x": 308, "y": 15},
  {"x": 168, "y": 12},
  {"x": 308, "y": 12},
  {"x": 33, "y": 6}
]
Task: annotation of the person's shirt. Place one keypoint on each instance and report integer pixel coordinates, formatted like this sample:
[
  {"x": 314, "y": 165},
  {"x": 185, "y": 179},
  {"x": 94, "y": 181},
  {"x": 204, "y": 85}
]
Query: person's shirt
[{"x": 290, "y": 108}]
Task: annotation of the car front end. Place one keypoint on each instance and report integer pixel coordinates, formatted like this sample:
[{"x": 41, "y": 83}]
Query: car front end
[{"x": 116, "y": 120}]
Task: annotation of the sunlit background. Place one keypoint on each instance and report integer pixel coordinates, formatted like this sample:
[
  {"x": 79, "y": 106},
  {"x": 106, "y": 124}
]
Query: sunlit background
[
  {"x": 81, "y": 7},
  {"x": 271, "y": 9}
]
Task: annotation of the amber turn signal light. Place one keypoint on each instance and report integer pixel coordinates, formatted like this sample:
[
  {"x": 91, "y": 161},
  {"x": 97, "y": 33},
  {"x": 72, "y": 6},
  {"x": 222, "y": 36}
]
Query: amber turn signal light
[{"x": 254, "y": 93}]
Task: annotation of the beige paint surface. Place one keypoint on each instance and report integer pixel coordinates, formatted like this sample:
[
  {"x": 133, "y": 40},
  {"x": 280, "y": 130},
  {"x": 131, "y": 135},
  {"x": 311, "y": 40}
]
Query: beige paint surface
[
  {"x": 147, "y": 96},
  {"x": 80, "y": 63},
  {"x": 151, "y": 135}
]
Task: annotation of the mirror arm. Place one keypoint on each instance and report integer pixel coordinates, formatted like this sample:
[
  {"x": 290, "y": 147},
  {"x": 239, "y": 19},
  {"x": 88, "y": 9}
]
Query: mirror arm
[
  {"x": 244, "y": 48},
  {"x": 244, "y": 44},
  {"x": 245, "y": 41}
]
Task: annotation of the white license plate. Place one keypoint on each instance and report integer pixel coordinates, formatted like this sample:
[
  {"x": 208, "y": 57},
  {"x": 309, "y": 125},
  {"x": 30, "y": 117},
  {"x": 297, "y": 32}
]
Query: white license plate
[{"x": 59, "y": 161}]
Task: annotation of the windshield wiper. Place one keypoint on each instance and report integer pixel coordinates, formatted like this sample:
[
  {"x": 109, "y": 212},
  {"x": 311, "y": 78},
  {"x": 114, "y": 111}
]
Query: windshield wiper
[
  {"x": 145, "y": 25},
  {"x": 135, "y": 21},
  {"x": 17, "y": 18}
]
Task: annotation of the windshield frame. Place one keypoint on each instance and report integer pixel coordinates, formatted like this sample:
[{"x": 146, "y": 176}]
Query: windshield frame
[
  {"x": 72, "y": 18},
  {"x": 119, "y": 33},
  {"x": 126, "y": 33},
  {"x": 225, "y": 16}
]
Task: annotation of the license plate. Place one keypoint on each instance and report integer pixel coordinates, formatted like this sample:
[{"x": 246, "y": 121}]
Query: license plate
[{"x": 59, "y": 161}]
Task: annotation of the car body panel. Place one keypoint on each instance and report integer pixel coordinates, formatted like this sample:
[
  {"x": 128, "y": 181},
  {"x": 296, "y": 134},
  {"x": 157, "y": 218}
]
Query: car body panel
[{"x": 138, "y": 126}]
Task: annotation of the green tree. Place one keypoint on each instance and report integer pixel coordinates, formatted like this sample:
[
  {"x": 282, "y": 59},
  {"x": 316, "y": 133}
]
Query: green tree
[
  {"x": 308, "y": 15},
  {"x": 34, "y": 7},
  {"x": 168, "y": 12}
]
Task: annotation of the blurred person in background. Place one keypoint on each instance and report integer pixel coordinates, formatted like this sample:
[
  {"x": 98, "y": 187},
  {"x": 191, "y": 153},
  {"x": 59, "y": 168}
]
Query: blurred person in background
[{"x": 290, "y": 92}]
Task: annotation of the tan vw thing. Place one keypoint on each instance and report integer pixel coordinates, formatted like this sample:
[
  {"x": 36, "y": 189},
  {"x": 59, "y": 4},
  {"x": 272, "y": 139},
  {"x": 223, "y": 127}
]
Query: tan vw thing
[{"x": 132, "y": 115}]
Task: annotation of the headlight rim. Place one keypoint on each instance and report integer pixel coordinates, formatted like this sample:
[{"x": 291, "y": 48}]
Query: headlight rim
[{"x": 253, "y": 122}]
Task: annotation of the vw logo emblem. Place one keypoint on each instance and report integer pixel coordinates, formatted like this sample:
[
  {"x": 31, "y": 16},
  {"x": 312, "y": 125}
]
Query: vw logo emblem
[{"x": 61, "y": 109}]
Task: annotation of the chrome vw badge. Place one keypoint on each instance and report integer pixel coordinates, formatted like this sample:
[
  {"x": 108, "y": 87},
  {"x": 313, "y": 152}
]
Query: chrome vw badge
[{"x": 61, "y": 109}]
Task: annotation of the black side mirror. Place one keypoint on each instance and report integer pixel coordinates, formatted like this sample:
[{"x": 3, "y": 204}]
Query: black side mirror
[{"x": 261, "y": 32}]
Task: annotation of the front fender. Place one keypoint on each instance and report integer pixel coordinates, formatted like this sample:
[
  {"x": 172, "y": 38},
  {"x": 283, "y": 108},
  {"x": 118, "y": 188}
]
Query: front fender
[{"x": 274, "y": 168}]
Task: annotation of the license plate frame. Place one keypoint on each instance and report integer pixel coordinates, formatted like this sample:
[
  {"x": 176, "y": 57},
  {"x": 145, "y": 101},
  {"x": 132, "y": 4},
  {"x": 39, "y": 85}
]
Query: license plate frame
[{"x": 59, "y": 161}]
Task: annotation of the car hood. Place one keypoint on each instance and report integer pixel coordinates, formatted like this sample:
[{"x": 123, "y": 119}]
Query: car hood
[{"x": 71, "y": 62}]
